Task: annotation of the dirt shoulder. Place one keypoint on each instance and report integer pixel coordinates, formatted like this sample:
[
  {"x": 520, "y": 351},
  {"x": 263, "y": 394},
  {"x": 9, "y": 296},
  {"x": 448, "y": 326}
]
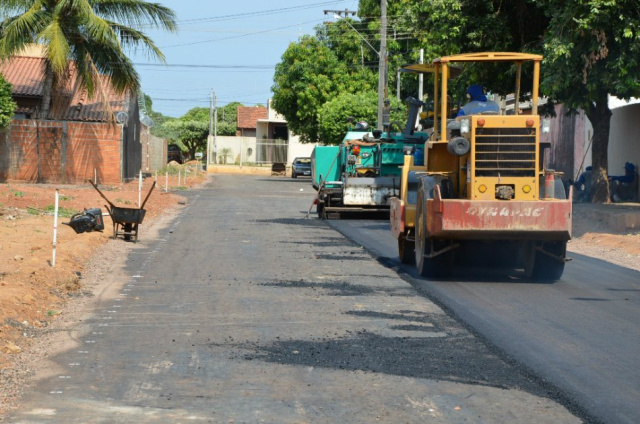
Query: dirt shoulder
[
  {"x": 597, "y": 232},
  {"x": 32, "y": 292}
]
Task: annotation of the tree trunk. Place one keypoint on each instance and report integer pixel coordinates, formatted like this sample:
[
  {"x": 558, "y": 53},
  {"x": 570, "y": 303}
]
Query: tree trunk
[
  {"x": 47, "y": 89},
  {"x": 600, "y": 117}
]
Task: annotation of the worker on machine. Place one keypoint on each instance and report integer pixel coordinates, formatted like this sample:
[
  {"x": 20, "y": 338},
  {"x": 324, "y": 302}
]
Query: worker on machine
[{"x": 478, "y": 103}]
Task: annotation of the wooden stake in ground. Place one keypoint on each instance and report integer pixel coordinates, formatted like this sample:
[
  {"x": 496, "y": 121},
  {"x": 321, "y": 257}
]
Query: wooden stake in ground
[{"x": 55, "y": 228}]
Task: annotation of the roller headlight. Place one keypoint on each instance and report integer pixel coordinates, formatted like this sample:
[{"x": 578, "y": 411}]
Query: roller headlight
[{"x": 465, "y": 126}]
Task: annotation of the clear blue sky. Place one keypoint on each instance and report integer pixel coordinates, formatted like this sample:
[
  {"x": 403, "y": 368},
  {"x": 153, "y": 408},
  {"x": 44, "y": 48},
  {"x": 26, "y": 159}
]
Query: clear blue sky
[{"x": 229, "y": 46}]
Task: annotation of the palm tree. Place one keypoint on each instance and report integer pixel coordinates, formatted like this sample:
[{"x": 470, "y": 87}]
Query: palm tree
[{"x": 90, "y": 35}]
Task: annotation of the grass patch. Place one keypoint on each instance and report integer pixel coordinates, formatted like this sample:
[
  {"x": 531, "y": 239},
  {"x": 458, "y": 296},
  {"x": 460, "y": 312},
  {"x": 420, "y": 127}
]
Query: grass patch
[
  {"x": 17, "y": 193},
  {"x": 66, "y": 197},
  {"x": 62, "y": 212},
  {"x": 124, "y": 202},
  {"x": 174, "y": 169}
]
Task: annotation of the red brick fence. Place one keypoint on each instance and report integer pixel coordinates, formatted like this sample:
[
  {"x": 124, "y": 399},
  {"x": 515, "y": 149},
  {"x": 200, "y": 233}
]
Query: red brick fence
[{"x": 61, "y": 152}]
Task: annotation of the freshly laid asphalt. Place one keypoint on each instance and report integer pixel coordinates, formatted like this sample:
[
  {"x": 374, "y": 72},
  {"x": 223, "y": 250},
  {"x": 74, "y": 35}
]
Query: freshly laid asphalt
[
  {"x": 580, "y": 333},
  {"x": 244, "y": 310}
]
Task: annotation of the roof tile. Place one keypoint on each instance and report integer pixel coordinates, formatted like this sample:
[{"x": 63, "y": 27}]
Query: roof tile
[
  {"x": 248, "y": 116},
  {"x": 26, "y": 74}
]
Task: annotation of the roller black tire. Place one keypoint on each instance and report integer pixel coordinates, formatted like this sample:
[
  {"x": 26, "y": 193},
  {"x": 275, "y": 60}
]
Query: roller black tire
[
  {"x": 406, "y": 250},
  {"x": 549, "y": 268},
  {"x": 438, "y": 267}
]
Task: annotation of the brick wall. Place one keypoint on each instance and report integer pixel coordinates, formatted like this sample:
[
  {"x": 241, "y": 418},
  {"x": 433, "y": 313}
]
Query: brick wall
[{"x": 60, "y": 152}]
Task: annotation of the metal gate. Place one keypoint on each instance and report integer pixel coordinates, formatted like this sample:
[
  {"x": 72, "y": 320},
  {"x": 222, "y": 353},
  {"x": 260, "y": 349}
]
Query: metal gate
[
  {"x": 131, "y": 150},
  {"x": 272, "y": 151}
]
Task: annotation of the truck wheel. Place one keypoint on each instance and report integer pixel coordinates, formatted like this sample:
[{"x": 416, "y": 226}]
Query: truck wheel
[
  {"x": 406, "y": 250},
  {"x": 547, "y": 267},
  {"x": 320, "y": 210}
]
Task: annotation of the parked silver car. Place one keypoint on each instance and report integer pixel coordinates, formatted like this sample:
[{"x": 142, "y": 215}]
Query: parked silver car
[{"x": 301, "y": 166}]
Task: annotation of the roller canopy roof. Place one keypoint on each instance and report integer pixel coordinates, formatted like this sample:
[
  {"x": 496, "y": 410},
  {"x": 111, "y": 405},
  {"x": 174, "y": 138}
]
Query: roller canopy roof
[
  {"x": 428, "y": 68},
  {"x": 489, "y": 57}
]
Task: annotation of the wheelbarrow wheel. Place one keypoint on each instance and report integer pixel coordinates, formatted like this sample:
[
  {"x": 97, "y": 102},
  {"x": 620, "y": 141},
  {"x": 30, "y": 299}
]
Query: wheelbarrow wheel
[{"x": 128, "y": 227}]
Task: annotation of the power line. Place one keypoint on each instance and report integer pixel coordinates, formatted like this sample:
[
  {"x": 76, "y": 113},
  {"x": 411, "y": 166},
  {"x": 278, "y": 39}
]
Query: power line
[
  {"x": 238, "y": 36},
  {"x": 191, "y": 65},
  {"x": 260, "y": 13}
]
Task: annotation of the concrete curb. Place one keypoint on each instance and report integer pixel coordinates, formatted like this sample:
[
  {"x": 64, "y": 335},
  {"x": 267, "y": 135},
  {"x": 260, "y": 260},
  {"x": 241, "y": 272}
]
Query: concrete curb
[
  {"x": 616, "y": 217},
  {"x": 235, "y": 169}
]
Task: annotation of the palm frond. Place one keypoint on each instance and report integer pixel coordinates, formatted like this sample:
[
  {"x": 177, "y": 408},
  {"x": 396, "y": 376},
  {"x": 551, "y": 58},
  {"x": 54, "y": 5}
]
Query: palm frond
[
  {"x": 57, "y": 47},
  {"x": 91, "y": 33},
  {"x": 137, "y": 13},
  {"x": 16, "y": 6},
  {"x": 16, "y": 32},
  {"x": 123, "y": 76},
  {"x": 130, "y": 37}
]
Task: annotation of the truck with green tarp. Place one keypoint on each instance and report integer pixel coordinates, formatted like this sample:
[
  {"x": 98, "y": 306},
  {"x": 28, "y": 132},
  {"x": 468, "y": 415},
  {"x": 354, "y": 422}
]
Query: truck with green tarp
[{"x": 363, "y": 173}]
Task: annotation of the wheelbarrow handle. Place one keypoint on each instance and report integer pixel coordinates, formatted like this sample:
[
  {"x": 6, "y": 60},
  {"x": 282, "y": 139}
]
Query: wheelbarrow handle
[
  {"x": 100, "y": 193},
  {"x": 148, "y": 194}
]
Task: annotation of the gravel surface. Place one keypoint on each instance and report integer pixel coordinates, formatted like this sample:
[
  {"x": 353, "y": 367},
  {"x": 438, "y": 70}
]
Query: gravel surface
[{"x": 389, "y": 351}]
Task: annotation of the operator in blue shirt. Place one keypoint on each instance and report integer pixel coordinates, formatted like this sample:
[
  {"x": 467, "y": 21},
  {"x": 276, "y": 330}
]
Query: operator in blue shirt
[{"x": 478, "y": 102}]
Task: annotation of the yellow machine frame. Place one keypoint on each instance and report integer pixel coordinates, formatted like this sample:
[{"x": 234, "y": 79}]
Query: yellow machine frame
[
  {"x": 439, "y": 160},
  {"x": 482, "y": 181}
]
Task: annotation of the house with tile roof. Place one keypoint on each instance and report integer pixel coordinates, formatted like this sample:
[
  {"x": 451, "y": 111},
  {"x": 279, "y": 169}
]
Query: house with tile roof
[
  {"x": 81, "y": 138},
  {"x": 247, "y": 118},
  {"x": 262, "y": 137},
  {"x": 274, "y": 127}
]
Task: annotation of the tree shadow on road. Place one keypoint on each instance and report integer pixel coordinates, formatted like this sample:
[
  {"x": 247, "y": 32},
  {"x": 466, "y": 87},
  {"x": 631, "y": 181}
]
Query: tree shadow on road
[{"x": 455, "y": 358}]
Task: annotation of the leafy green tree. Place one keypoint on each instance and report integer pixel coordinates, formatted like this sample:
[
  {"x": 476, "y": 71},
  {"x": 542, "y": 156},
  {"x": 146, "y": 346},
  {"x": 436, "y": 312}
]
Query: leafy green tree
[
  {"x": 189, "y": 134},
  {"x": 304, "y": 80},
  {"x": 93, "y": 33},
  {"x": 200, "y": 114},
  {"x": 228, "y": 119},
  {"x": 447, "y": 27},
  {"x": 7, "y": 105},
  {"x": 591, "y": 51},
  {"x": 314, "y": 70},
  {"x": 157, "y": 117},
  {"x": 333, "y": 115},
  {"x": 590, "y": 47}
]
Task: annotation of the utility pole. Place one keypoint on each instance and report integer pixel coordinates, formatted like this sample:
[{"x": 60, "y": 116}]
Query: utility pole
[
  {"x": 421, "y": 82},
  {"x": 382, "y": 67},
  {"x": 383, "y": 94},
  {"x": 210, "y": 138},
  {"x": 215, "y": 126}
]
